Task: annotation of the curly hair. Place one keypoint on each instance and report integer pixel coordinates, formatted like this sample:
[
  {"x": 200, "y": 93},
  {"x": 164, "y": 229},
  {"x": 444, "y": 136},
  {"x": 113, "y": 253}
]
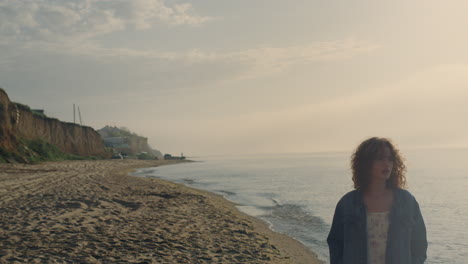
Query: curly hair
[{"x": 364, "y": 156}]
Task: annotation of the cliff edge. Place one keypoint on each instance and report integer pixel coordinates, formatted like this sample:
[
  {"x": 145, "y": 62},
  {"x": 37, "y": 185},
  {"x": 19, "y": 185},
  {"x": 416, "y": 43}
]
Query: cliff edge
[
  {"x": 19, "y": 124},
  {"x": 122, "y": 140}
]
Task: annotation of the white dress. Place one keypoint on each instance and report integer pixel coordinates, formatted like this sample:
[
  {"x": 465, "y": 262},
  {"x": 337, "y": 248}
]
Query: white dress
[{"x": 377, "y": 230}]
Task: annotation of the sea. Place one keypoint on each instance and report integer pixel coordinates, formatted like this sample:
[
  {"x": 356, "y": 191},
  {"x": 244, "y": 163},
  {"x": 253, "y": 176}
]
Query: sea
[{"x": 296, "y": 194}]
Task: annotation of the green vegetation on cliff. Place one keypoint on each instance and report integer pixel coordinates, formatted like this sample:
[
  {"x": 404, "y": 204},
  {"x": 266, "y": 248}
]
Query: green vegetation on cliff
[
  {"x": 34, "y": 112},
  {"x": 109, "y": 131},
  {"x": 33, "y": 151}
]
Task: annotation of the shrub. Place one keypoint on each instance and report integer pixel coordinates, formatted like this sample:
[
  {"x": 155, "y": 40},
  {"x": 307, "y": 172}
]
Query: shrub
[
  {"x": 40, "y": 115},
  {"x": 23, "y": 106},
  {"x": 37, "y": 150}
]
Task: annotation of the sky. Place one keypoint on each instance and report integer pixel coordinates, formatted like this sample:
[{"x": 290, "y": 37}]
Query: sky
[{"x": 217, "y": 77}]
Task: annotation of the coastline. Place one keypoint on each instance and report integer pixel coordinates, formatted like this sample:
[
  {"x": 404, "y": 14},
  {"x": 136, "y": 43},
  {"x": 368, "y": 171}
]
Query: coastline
[
  {"x": 95, "y": 212},
  {"x": 292, "y": 250}
]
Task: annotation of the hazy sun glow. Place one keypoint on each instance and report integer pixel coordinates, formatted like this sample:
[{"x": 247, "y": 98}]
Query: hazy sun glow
[{"x": 218, "y": 77}]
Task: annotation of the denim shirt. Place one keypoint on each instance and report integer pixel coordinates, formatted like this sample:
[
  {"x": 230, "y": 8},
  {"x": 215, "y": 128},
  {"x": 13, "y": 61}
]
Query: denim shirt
[{"x": 406, "y": 239}]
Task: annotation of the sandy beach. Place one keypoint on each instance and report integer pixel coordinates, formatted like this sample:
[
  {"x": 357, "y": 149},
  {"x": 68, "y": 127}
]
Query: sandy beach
[{"x": 94, "y": 212}]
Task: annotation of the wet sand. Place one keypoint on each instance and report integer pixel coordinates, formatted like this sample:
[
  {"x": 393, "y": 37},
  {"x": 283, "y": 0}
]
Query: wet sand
[{"x": 94, "y": 212}]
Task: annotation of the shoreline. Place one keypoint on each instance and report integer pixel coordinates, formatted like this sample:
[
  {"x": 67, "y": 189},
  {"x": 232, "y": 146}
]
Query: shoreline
[
  {"x": 95, "y": 212},
  {"x": 295, "y": 251}
]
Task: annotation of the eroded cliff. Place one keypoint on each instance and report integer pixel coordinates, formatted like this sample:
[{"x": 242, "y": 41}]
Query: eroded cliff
[{"x": 19, "y": 123}]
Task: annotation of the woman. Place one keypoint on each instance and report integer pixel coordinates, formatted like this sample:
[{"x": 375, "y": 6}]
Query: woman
[{"x": 378, "y": 222}]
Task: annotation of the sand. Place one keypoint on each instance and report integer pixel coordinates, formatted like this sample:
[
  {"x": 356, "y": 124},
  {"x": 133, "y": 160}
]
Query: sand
[{"x": 94, "y": 212}]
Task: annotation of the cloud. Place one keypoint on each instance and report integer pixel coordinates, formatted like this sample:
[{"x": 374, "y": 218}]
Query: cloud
[
  {"x": 78, "y": 20},
  {"x": 244, "y": 64},
  {"x": 70, "y": 28},
  {"x": 272, "y": 60}
]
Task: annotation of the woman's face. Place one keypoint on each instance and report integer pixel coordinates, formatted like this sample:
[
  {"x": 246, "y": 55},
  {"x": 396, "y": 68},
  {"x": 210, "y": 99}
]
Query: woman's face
[{"x": 382, "y": 165}]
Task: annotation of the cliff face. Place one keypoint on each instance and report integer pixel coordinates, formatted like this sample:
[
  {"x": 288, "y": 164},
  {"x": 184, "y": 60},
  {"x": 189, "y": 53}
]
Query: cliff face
[
  {"x": 19, "y": 122},
  {"x": 133, "y": 143},
  {"x": 139, "y": 144},
  {"x": 7, "y": 140}
]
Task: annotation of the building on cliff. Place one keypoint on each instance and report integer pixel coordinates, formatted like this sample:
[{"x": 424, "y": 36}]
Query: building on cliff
[
  {"x": 122, "y": 141},
  {"x": 119, "y": 145}
]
